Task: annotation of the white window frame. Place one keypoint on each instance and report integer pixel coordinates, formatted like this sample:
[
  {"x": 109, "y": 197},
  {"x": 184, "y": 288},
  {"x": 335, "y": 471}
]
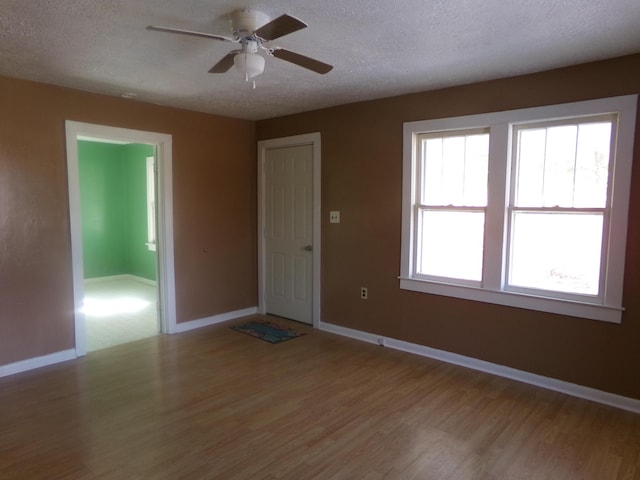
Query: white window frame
[
  {"x": 151, "y": 203},
  {"x": 608, "y": 306}
]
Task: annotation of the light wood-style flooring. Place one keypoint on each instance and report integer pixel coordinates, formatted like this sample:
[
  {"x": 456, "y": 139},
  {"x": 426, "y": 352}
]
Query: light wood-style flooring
[
  {"x": 218, "y": 404},
  {"x": 119, "y": 310}
]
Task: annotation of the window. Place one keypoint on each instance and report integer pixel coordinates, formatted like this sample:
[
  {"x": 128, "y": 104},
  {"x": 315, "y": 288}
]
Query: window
[
  {"x": 559, "y": 206},
  {"x": 525, "y": 208},
  {"x": 451, "y": 204},
  {"x": 151, "y": 203}
]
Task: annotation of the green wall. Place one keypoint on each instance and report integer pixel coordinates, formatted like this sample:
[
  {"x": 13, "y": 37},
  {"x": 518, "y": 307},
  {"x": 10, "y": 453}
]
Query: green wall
[{"x": 113, "y": 199}]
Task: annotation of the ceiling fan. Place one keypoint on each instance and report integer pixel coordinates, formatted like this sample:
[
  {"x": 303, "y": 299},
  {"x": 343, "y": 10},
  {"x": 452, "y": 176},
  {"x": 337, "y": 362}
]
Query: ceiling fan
[{"x": 251, "y": 30}]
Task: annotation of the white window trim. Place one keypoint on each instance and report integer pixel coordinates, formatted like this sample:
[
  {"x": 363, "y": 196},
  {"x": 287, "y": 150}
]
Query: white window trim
[
  {"x": 500, "y": 124},
  {"x": 151, "y": 203}
]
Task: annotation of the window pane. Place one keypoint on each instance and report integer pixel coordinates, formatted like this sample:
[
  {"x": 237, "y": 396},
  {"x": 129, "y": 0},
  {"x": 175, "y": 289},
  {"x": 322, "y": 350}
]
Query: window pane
[
  {"x": 560, "y": 157},
  {"x": 592, "y": 165},
  {"x": 565, "y": 166},
  {"x": 556, "y": 251},
  {"x": 451, "y": 244},
  {"x": 531, "y": 148},
  {"x": 454, "y": 170}
]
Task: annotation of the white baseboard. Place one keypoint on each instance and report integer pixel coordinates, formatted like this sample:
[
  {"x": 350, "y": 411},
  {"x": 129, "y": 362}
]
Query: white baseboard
[
  {"x": 124, "y": 276},
  {"x": 587, "y": 393},
  {"x": 146, "y": 281},
  {"x": 223, "y": 317},
  {"x": 37, "y": 362}
]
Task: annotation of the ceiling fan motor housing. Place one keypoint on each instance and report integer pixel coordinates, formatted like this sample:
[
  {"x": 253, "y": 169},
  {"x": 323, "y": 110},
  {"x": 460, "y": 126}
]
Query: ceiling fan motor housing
[{"x": 245, "y": 22}]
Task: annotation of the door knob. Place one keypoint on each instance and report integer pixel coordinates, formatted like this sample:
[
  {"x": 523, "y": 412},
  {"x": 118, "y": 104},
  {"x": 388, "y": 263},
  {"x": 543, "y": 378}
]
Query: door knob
[{"x": 307, "y": 248}]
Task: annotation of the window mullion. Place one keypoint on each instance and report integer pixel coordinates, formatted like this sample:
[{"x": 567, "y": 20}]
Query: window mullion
[{"x": 497, "y": 200}]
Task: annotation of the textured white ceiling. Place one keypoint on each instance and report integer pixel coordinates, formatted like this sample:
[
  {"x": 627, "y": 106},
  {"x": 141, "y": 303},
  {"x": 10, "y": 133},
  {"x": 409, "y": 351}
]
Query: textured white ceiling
[{"x": 378, "y": 48}]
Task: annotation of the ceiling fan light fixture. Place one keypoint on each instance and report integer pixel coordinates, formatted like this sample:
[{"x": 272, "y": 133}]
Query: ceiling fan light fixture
[{"x": 250, "y": 64}]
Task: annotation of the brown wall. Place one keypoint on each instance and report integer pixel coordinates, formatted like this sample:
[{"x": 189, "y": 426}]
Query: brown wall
[
  {"x": 361, "y": 177},
  {"x": 214, "y": 210},
  {"x": 215, "y": 223}
]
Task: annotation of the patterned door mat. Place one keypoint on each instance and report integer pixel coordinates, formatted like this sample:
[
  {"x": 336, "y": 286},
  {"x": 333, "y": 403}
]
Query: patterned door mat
[{"x": 268, "y": 331}]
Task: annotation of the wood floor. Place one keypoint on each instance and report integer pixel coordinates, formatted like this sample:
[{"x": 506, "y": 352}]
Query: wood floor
[{"x": 218, "y": 404}]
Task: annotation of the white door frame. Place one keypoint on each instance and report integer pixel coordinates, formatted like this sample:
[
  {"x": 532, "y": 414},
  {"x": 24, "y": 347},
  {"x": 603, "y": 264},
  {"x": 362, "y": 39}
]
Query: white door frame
[
  {"x": 166, "y": 272},
  {"x": 312, "y": 139}
]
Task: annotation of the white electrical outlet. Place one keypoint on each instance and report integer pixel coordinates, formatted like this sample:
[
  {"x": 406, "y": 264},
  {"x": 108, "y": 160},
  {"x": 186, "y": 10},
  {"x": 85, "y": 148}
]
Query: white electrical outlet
[
  {"x": 334, "y": 217},
  {"x": 364, "y": 293}
]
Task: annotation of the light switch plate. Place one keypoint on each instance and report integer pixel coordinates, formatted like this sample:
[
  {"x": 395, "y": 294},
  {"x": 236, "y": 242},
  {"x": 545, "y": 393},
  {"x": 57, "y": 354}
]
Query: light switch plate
[{"x": 334, "y": 217}]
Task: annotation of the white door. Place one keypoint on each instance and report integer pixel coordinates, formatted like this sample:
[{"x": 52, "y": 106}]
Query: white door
[{"x": 288, "y": 230}]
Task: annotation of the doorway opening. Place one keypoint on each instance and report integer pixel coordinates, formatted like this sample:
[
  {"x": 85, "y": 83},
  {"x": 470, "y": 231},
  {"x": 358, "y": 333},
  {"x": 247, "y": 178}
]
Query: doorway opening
[
  {"x": 123, "y": 273},
  {"x": 117, "y": 209}
]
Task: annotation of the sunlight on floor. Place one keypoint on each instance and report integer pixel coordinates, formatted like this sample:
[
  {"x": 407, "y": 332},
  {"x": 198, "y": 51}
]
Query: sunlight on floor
[
  {"x": 119, "y": 311},
  {"x": 106, "y": 308}
]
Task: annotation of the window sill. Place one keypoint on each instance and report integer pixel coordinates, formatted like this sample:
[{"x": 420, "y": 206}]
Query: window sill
[{"x": 543, "y": 304}]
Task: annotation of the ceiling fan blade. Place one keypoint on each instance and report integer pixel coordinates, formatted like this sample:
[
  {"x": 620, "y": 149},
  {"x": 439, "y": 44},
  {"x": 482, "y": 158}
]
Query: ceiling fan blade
[
  {"x": 225, "y": 63},
  {"x": 302, "y": 61},
  {"x": 190, "y": 32},
  {"x": 279, "y": 27}
]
